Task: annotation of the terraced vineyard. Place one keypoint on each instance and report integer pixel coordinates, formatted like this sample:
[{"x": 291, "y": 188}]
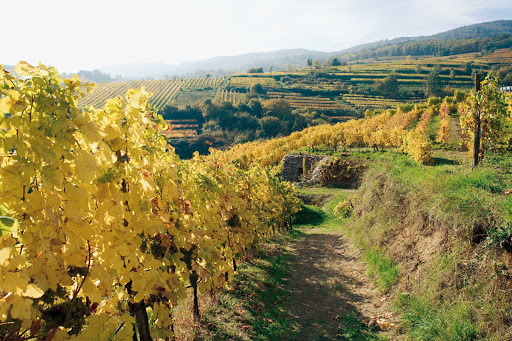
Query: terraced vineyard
[
  {"x": 248, "y": 80},
  {"x": 182, "y": 128},
  {"x": 373, "y": 102},
  {"x": 411, "y": 75},
  {"x": 298, "y": 101},
  {"x": 344, "y": 92},
  {"x": 340, "y": 92},
  {"x": 164, "y": 91}
]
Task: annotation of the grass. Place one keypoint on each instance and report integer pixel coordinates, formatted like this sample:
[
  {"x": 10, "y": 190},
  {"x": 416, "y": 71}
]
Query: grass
[
  {"x": 433, "y": 127},
  {"x": 308, "y": 214},
  {"x": 255, "y": 306},
  {"x": 329, "y": 220},
  {"x": 456, "y": 293},
  {"x": 381, "y": 268},
  {"x": 452, "y": 321},
  {"x": 432, "y": 312},
  {"x": 449, "y": 193}
]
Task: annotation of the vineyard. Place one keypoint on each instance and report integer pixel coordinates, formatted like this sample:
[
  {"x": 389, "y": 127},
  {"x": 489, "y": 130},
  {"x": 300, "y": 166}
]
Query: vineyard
[
  {"x": 405, "y": 130},
  {"x": 165, "y": 92},
  {"x": 346, "y": 91},
  {"x": 103, "y": 227},
  {"x": 373, "y": 102},
  {"x": 248, "y": 81},
  {"x": 181, "y": 128},
  {"x": 340, "y": 93},
  {"x": 105, "y": 232},
  {"x": 233, "y": 96}
]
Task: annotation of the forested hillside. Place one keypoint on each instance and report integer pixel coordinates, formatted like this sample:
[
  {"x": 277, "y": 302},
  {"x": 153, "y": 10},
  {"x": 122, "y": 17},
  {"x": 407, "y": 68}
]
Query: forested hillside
[{"x": 434, "y": 46}]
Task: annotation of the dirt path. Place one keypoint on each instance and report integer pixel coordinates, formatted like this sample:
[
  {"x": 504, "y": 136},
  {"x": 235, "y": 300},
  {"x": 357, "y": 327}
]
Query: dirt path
[{"x": 332, "y": 295}]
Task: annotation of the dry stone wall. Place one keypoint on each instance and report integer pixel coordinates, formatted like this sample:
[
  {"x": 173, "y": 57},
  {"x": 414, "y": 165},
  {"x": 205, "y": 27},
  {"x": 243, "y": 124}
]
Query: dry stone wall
[{"x": 300, "y": 167}]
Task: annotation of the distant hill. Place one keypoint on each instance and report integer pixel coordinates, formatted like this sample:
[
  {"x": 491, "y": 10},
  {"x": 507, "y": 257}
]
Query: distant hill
[
  {"x": 283, "y": 59},
  {"x": 475, "y": 31},
  {"x": 482, "y": 30},
  {"x": 217, "y": 66}
]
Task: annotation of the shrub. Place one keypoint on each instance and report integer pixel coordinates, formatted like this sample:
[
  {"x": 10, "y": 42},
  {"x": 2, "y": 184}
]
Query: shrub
[
  {"x": 342, "y": 172},
  {"x": 344, "y": 209},
  {"x": 255, "y": 70}
]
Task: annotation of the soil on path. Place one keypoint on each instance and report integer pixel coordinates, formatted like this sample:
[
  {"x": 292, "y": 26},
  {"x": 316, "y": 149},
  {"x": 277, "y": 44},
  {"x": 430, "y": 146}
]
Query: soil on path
[{"x": 331, "y": 289}]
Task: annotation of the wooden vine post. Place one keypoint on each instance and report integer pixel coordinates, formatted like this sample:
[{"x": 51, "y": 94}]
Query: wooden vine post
[{"x": 477, "y": 131}]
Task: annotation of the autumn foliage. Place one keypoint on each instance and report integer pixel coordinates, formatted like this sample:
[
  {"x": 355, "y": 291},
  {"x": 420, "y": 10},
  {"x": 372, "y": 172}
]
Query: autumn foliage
[{"x": 108, "y": 223}]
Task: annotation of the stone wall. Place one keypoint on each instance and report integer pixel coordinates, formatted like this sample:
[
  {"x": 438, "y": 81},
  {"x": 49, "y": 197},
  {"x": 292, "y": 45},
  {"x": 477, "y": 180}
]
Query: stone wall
[{"x": 300, "y": 167}]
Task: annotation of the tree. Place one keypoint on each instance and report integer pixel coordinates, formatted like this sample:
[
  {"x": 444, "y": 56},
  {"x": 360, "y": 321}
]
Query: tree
[
  {"x": 468, "y": 67},
  {"x": 310, "y": 62},
  {"x": 271, "y": 125},
  {"x": 485, "y": 119},
  {"x": 257, "y": 88},
  {"x": 278, "y": 108},
  {"x": 335, "y": 62},
  {"x": 433, "y": 84},
  {"x": 255, "y": 70},
  {"x": 255, "y": 107},
  {"x": 316, "y": 63},
  {"x": 388, "y": 86},
  {"x": 94, "y": 76}
]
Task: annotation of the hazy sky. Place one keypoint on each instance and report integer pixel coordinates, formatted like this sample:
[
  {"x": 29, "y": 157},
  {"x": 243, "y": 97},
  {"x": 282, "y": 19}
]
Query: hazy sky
[{"x": 73, "y": 35}]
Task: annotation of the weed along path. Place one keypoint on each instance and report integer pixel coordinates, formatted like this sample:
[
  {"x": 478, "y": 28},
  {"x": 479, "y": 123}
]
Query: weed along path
[{"x": 332, "y": 297}]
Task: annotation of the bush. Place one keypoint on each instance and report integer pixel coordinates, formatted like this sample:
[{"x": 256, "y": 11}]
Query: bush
[
  {"x": 342, "y": 172},
  {"x": 255, "y": 70},
  {"x": 344, "y": 209},
  {"x": 257, "y": 88},
  {"x": 434, "y": 101}
]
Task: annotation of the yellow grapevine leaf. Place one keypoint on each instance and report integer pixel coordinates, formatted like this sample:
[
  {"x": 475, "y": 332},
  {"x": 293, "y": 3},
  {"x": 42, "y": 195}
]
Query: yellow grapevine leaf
[
  {"x": 23, "y": 69},
  {"x": 21, "y": 308},
  {"x": 33, "y": 291},
  {"x": 5, "y": 254}
]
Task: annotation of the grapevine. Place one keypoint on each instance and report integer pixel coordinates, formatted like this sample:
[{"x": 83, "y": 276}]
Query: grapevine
[{"x": 110, "y": 222}]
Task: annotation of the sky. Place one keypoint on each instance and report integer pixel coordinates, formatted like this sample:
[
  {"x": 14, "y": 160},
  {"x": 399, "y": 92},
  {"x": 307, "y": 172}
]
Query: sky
[{"x": 83, "y": 35}]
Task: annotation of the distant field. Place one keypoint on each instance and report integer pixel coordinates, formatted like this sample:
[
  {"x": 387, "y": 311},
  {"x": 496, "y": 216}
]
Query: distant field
[
  {"x": 341, "y": 92},
  {"x": 165, "y": 92},
  {"x": 344, "y": 91}
]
